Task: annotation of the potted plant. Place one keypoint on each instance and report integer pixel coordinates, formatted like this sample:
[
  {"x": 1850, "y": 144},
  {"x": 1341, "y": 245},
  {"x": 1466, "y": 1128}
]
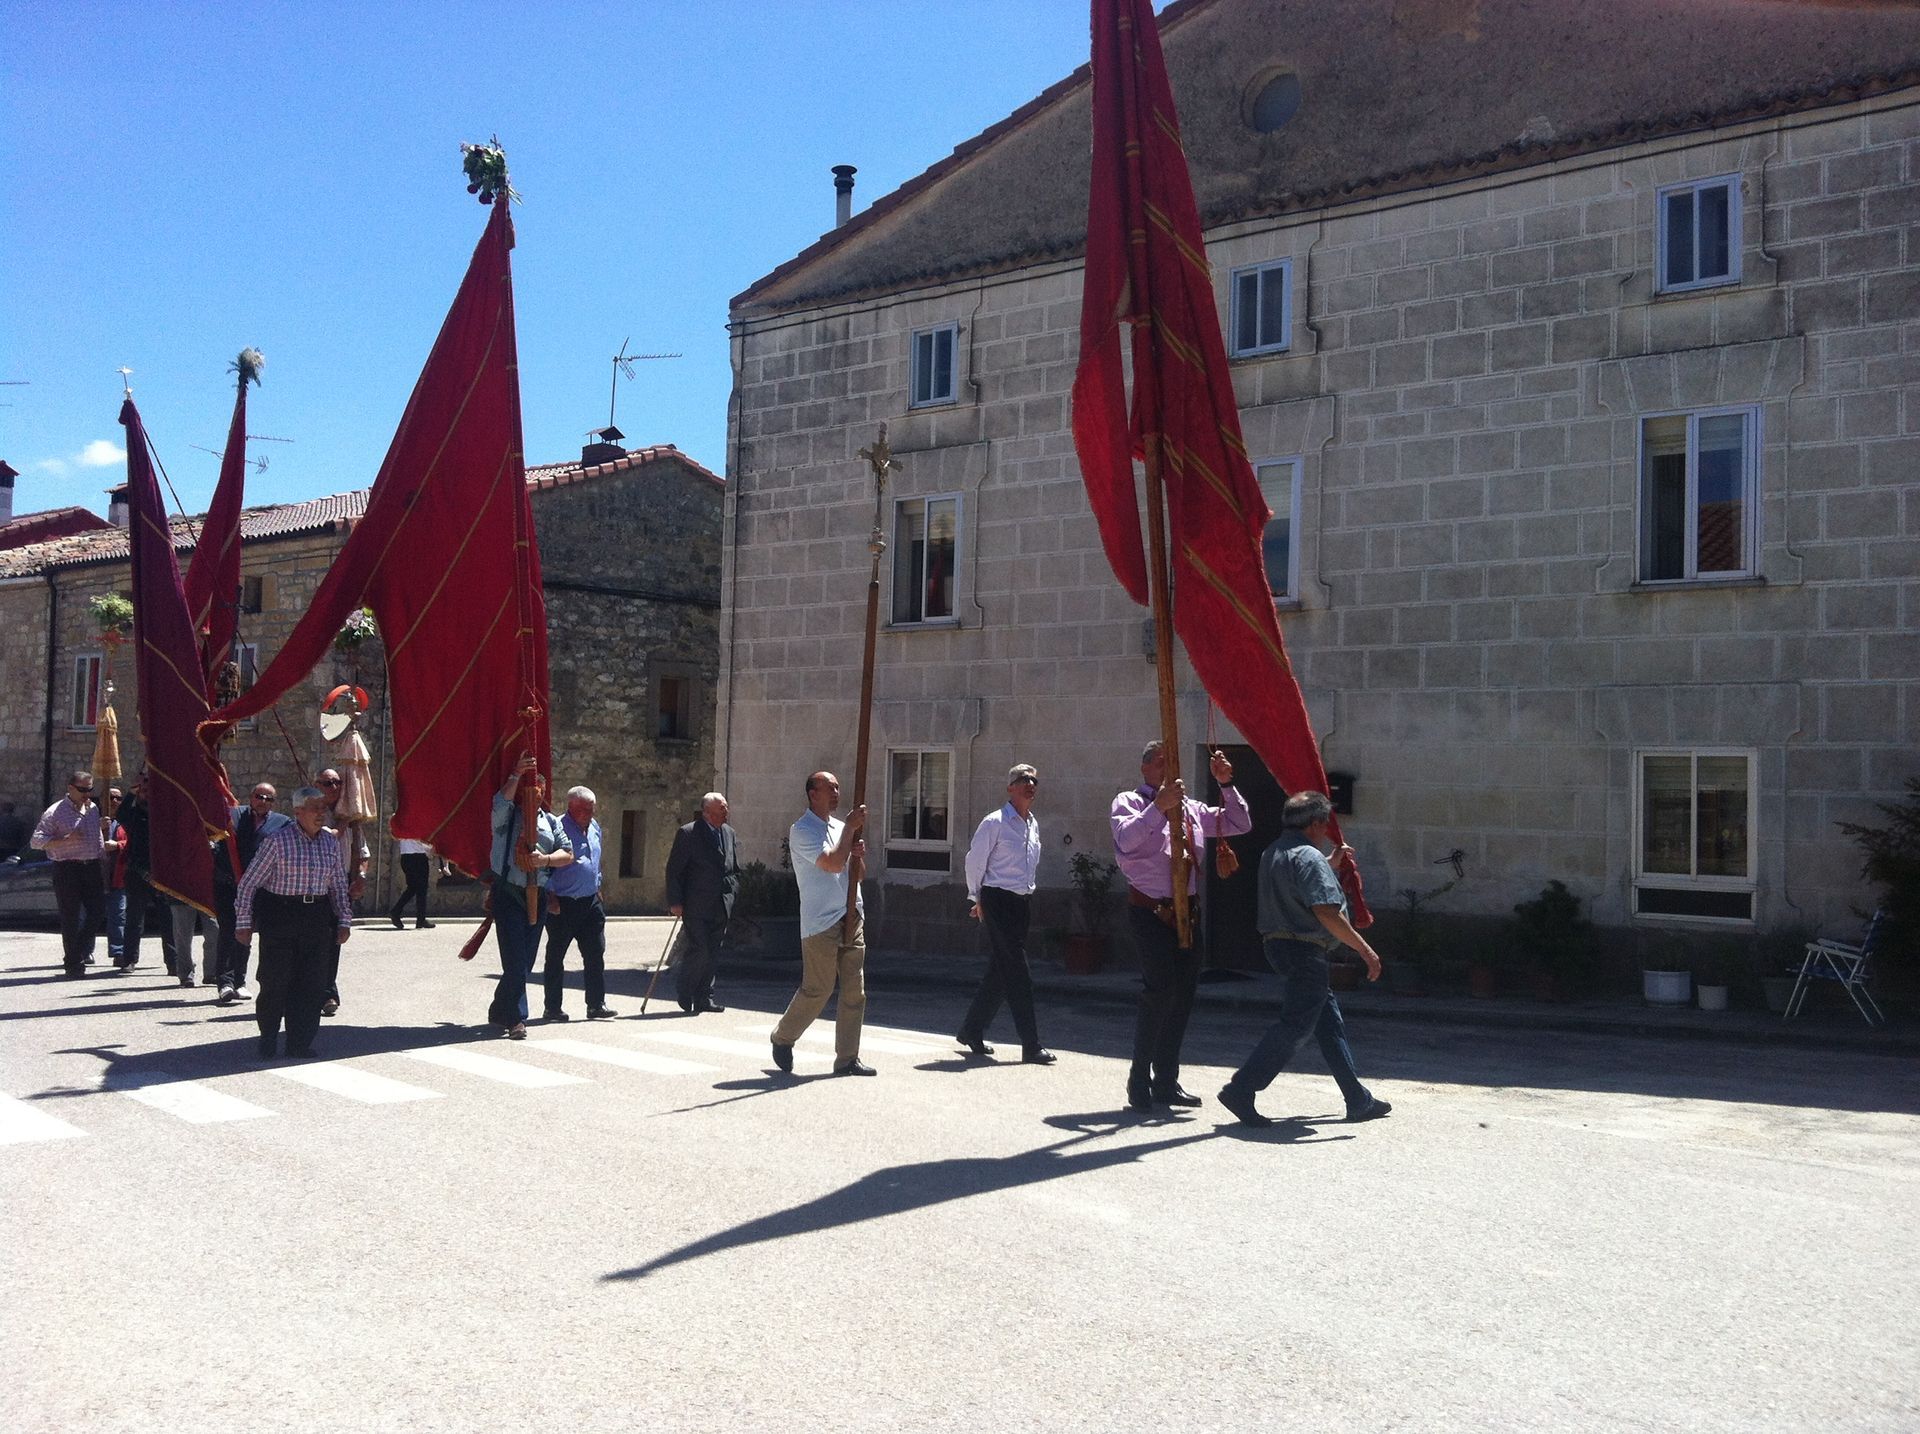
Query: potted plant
[
  {"x": 1716, "y": 962},
  {"x": 1093, "y": 881},
  {"x": 1553, "y": 931},
  {"x": 112, "y": 615},
  {"x": 354, "y": 634},
  {"x": 1415, "y": 968},
  {"x": 766, "y": 910},
  {"x": 1664, "y": 977}
]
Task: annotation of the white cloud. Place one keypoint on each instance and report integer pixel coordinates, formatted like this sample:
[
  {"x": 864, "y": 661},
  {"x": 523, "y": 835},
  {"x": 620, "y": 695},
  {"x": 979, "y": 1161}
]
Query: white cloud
[
  {"x": 100, "y": 453},
  {"x": 52, "y": 465}
]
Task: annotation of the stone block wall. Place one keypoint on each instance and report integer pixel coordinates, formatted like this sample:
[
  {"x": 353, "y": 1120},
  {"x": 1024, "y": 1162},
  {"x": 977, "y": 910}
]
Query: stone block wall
[{"x": 1464, "y": 389}]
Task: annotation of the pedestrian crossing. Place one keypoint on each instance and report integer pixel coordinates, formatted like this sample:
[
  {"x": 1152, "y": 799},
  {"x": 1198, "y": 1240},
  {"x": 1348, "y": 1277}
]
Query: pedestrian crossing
[{"x": 613, "y": 1051}]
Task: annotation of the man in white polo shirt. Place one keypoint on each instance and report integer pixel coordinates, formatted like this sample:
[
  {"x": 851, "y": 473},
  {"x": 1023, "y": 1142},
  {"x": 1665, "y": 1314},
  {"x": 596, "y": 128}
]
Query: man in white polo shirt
[{"x": 823, "y": 848}]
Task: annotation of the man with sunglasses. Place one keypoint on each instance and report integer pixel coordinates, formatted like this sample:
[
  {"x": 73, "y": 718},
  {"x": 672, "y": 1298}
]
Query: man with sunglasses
[
  {"x": 1003, "y": 868},
  {"x": 252, "y": 824},
  {"x": 69, "y": 833},
  {"x": 354, "y": 855}
]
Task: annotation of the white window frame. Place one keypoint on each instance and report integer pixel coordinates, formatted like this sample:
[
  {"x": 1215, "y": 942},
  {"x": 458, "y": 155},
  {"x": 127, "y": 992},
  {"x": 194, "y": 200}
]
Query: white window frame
[
  {"x": 1643, "y": 880},
  {"x": 1283, "y": 269},
  {"x": 1694, "y": 187},
  {"x": 88, "y": 667},
  {"x": 1749, "y": 497},
  {"x": 932, "y": 399},
  {"x": 1270, "y": 489},
  {"x": 891, "y": 843},
  {"x": 959, "y": 552}
]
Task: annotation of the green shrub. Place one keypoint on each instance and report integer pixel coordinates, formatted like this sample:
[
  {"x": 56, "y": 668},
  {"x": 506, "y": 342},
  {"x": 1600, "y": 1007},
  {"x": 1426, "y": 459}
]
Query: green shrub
[
  {"x": 1893, "y": 864},
  {"x": 764, "y": 892}
]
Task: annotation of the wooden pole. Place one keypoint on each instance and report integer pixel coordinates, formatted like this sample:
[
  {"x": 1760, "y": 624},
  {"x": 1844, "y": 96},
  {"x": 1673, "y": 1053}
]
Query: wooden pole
[
  {"x": 880, "y": 459},
  {"x": 1159, "y": 584}
]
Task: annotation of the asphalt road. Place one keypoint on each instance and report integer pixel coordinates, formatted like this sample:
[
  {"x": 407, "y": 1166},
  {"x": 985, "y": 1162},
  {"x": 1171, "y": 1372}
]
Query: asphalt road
[{"x": 637, "y": 1224}]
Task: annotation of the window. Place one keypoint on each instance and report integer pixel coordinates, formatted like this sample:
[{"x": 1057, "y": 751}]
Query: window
[
  {"x": 257, "y": 592},
  {"x": 1694, "y": 852},
  {"x": 919, "y": 793},
  {"x": 89, "y": 671},
  {"x": 633, "y": 836},
  {"x": 673, "y": 707},
  {"x": 932, "y": 378},
  {"x": 1698, "y": 517},
  {"x": 1700, "y": 234},
  {"x": 247, "y": 655},
  {"x": 926, "y": 535},
  {"x": 1280, "y": 542},
  {"x": 1262, "y": 308}
]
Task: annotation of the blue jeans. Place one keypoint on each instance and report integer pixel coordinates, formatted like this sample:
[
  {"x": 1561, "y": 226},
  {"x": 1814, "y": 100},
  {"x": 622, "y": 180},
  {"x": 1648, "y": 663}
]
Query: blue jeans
[
  {"x": 519, "y": 941},
  {"x": 1306, "y": 1006},
  {"x": 116, "y": 923}
]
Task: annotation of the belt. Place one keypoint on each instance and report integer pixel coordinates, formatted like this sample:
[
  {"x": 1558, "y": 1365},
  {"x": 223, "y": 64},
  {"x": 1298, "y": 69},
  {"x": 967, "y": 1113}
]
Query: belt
[
  {"x": 1148, "y": 903},
  {"x": 290, "y": 896}
]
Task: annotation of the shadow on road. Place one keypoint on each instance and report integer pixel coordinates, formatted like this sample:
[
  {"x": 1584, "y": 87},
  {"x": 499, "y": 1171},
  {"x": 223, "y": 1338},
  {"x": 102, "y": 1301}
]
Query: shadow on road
[{"x": 899, "y": 1189}]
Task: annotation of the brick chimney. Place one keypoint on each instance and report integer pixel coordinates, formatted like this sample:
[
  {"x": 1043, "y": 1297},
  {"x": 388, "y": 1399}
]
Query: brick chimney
[
  {"x": 7, "y": 474},
  {"x": 604, "y": 449},
  {"x": 119, "y": 512}
]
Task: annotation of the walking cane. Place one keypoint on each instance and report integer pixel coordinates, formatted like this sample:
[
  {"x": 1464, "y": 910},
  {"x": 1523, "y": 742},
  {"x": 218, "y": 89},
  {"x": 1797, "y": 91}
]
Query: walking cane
[{"x": 658, "y": 966}]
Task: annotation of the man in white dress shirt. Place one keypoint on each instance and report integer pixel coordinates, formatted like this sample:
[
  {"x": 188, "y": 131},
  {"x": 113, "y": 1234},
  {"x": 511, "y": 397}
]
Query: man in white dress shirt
[{"x": 1003, "y": 867}]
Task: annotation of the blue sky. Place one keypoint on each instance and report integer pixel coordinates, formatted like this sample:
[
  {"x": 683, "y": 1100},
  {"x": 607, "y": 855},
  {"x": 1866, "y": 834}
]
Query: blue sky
[{"x": 186, "y": 179}]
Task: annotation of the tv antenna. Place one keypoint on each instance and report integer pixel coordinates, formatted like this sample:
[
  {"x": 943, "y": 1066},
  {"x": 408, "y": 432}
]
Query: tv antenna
[
  {"x": 623, "y": 363},
  {"x": 259, "y": 465}
]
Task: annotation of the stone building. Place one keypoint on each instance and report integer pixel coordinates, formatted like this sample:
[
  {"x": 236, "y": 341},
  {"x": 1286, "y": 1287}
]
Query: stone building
[
  {"x": 1578, "y": 349},
  {"x": 630, "y": 551}
]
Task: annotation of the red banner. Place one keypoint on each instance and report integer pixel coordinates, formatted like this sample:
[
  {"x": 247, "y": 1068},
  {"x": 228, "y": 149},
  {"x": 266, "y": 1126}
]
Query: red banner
[
  {"x": 213, "y": 574},
  {"x": 446, "y": 558},
  {"x": 1147, "y": 267},
  {"x": 185, "y": 787}
]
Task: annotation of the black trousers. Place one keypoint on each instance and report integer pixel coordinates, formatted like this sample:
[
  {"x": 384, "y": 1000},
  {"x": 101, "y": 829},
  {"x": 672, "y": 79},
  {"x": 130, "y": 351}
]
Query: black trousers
[
  {"x": 82, "y": 897},
  {"x": 582, "y": 919},
  {"x": 297, "y": 950},
  {"x": 232, "y": 956},
  {"x": 694, "y": 983},
  {"x": 1168, "y": 976},
  {"x": 142, "y": 899},
  {"x": 1005, "y": 915},
  {"x": 413, "y": 866}
]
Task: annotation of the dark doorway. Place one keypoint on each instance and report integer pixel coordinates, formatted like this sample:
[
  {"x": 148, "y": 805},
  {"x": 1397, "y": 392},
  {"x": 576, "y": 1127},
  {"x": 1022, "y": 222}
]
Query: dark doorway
[{"x": 1233, "y": 932}]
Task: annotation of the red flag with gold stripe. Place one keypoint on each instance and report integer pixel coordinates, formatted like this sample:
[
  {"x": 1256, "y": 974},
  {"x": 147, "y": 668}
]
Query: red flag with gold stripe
[
  {"x": 446, "y": 558},
  {"x": 1147, "y": 268}
]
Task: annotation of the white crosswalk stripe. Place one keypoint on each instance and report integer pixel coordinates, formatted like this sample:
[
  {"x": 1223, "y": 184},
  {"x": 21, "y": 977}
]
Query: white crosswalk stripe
[
  {"x": 822, "y": 1036},
  {"x": 622, "y": 1056},
  {"x": 719, "y": 1045},
  {"x": 493, "y": 1068},
  {"x": 355, "y": 1084},
  {"x": 21, "y": 1121},
  {"x": 191, "y": 1101}
]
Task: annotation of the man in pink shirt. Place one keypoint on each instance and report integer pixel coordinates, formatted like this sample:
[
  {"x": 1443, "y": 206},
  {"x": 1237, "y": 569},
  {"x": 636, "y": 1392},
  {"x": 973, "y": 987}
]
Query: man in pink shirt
[{"x": 1143, "y": 842}]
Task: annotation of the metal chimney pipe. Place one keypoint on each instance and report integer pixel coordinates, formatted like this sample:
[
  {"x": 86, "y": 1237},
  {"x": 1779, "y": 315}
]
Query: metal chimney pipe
[
  {"x": 842, "y": 193},
  {"x": 7, "y": 474}
]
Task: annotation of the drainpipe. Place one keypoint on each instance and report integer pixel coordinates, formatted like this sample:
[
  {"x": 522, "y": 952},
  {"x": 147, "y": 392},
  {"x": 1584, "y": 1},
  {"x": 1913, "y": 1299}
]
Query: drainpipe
[{"x": 53, "y": 659}]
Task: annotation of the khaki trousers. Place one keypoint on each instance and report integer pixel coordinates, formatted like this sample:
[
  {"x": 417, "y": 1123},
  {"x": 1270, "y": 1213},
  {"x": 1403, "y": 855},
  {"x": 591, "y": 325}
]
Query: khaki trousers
[{"x": 825, "y": 959}]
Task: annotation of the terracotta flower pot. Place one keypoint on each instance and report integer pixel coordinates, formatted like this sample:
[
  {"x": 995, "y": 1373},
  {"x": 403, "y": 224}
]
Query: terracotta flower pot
[{"x": 1085, "y": 955}]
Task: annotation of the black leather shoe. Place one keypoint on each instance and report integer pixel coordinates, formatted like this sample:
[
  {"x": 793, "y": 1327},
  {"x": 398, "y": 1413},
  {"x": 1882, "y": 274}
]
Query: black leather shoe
[
  {"x": 599, "y": 1013},
  {"x": 686, "y": 1008},
  {"x": 783, "y": 1057},
  {"x": 708, "y": 1008},
  {"x": 856, "y": 1066},
  {"x": 1372, "y": 1112},
  {"x": 1179, "y": 1095},
  {"x": 423, "y": 926},
  {"x": 975, "y": 1045},
  {"x": 555, "y": 1016},
  {"x": 1242, "y": 1107},
  {"x": 1139, "y": 1097},
  {"x": 398, "y": 924},
  {"x": 1038, "y": 1056}
]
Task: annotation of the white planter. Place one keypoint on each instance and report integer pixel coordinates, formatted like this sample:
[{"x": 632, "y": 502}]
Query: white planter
[
  {"x": 1667, "y": 988},
  {"x": 1712, "y": 998}
]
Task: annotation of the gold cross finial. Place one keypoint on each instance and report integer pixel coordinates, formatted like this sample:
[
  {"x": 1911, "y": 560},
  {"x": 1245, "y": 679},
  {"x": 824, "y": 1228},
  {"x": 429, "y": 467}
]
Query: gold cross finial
[{"x": 880, "y": 458}]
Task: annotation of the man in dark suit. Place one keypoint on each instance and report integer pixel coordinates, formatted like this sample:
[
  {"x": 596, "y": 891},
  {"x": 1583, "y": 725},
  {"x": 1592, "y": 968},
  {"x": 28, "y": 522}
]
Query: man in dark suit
[
  {"x": 703, "y": 872},
  {"x": 256, "y": 820}
]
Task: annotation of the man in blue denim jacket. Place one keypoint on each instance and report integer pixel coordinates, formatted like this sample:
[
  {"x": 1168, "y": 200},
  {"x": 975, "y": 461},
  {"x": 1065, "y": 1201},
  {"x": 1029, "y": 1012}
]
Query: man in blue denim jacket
[{"x": 1303, "y": 917}]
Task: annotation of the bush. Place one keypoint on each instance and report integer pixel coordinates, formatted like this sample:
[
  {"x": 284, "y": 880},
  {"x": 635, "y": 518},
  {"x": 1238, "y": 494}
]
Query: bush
[
  {"x": 1555, "y": 933},
  {"x": 1893, "y": 864},
  {"x": 1092, "y": 881},
  {"x": 764, "y": 892}
]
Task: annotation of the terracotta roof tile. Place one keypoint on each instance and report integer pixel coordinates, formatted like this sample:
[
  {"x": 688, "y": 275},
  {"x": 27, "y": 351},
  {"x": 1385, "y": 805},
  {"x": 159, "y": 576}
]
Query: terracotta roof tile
[
  {"x": 53, "y": 523},
  {"x": 107, "y": 543}
]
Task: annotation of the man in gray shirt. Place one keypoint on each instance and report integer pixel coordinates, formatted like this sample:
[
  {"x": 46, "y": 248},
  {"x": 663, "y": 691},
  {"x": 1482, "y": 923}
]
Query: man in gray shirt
[{"x": 1303, "y": 917}]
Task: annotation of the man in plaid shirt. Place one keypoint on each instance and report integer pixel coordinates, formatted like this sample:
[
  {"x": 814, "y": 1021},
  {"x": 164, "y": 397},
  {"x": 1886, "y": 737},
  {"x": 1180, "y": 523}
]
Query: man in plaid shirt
[
  {"x": 69, "y": 833},
  {"x": 297, "y": 883}
]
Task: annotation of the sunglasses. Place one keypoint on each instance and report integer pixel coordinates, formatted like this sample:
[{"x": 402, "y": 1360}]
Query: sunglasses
[
  {"x": 1026, "y": 781},
  {"x": 78, "y": 788},
  {"x": 330, "y": 781}
]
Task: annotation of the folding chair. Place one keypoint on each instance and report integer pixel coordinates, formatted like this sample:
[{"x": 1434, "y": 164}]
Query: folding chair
[{"x": 1851, "y": 966}]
